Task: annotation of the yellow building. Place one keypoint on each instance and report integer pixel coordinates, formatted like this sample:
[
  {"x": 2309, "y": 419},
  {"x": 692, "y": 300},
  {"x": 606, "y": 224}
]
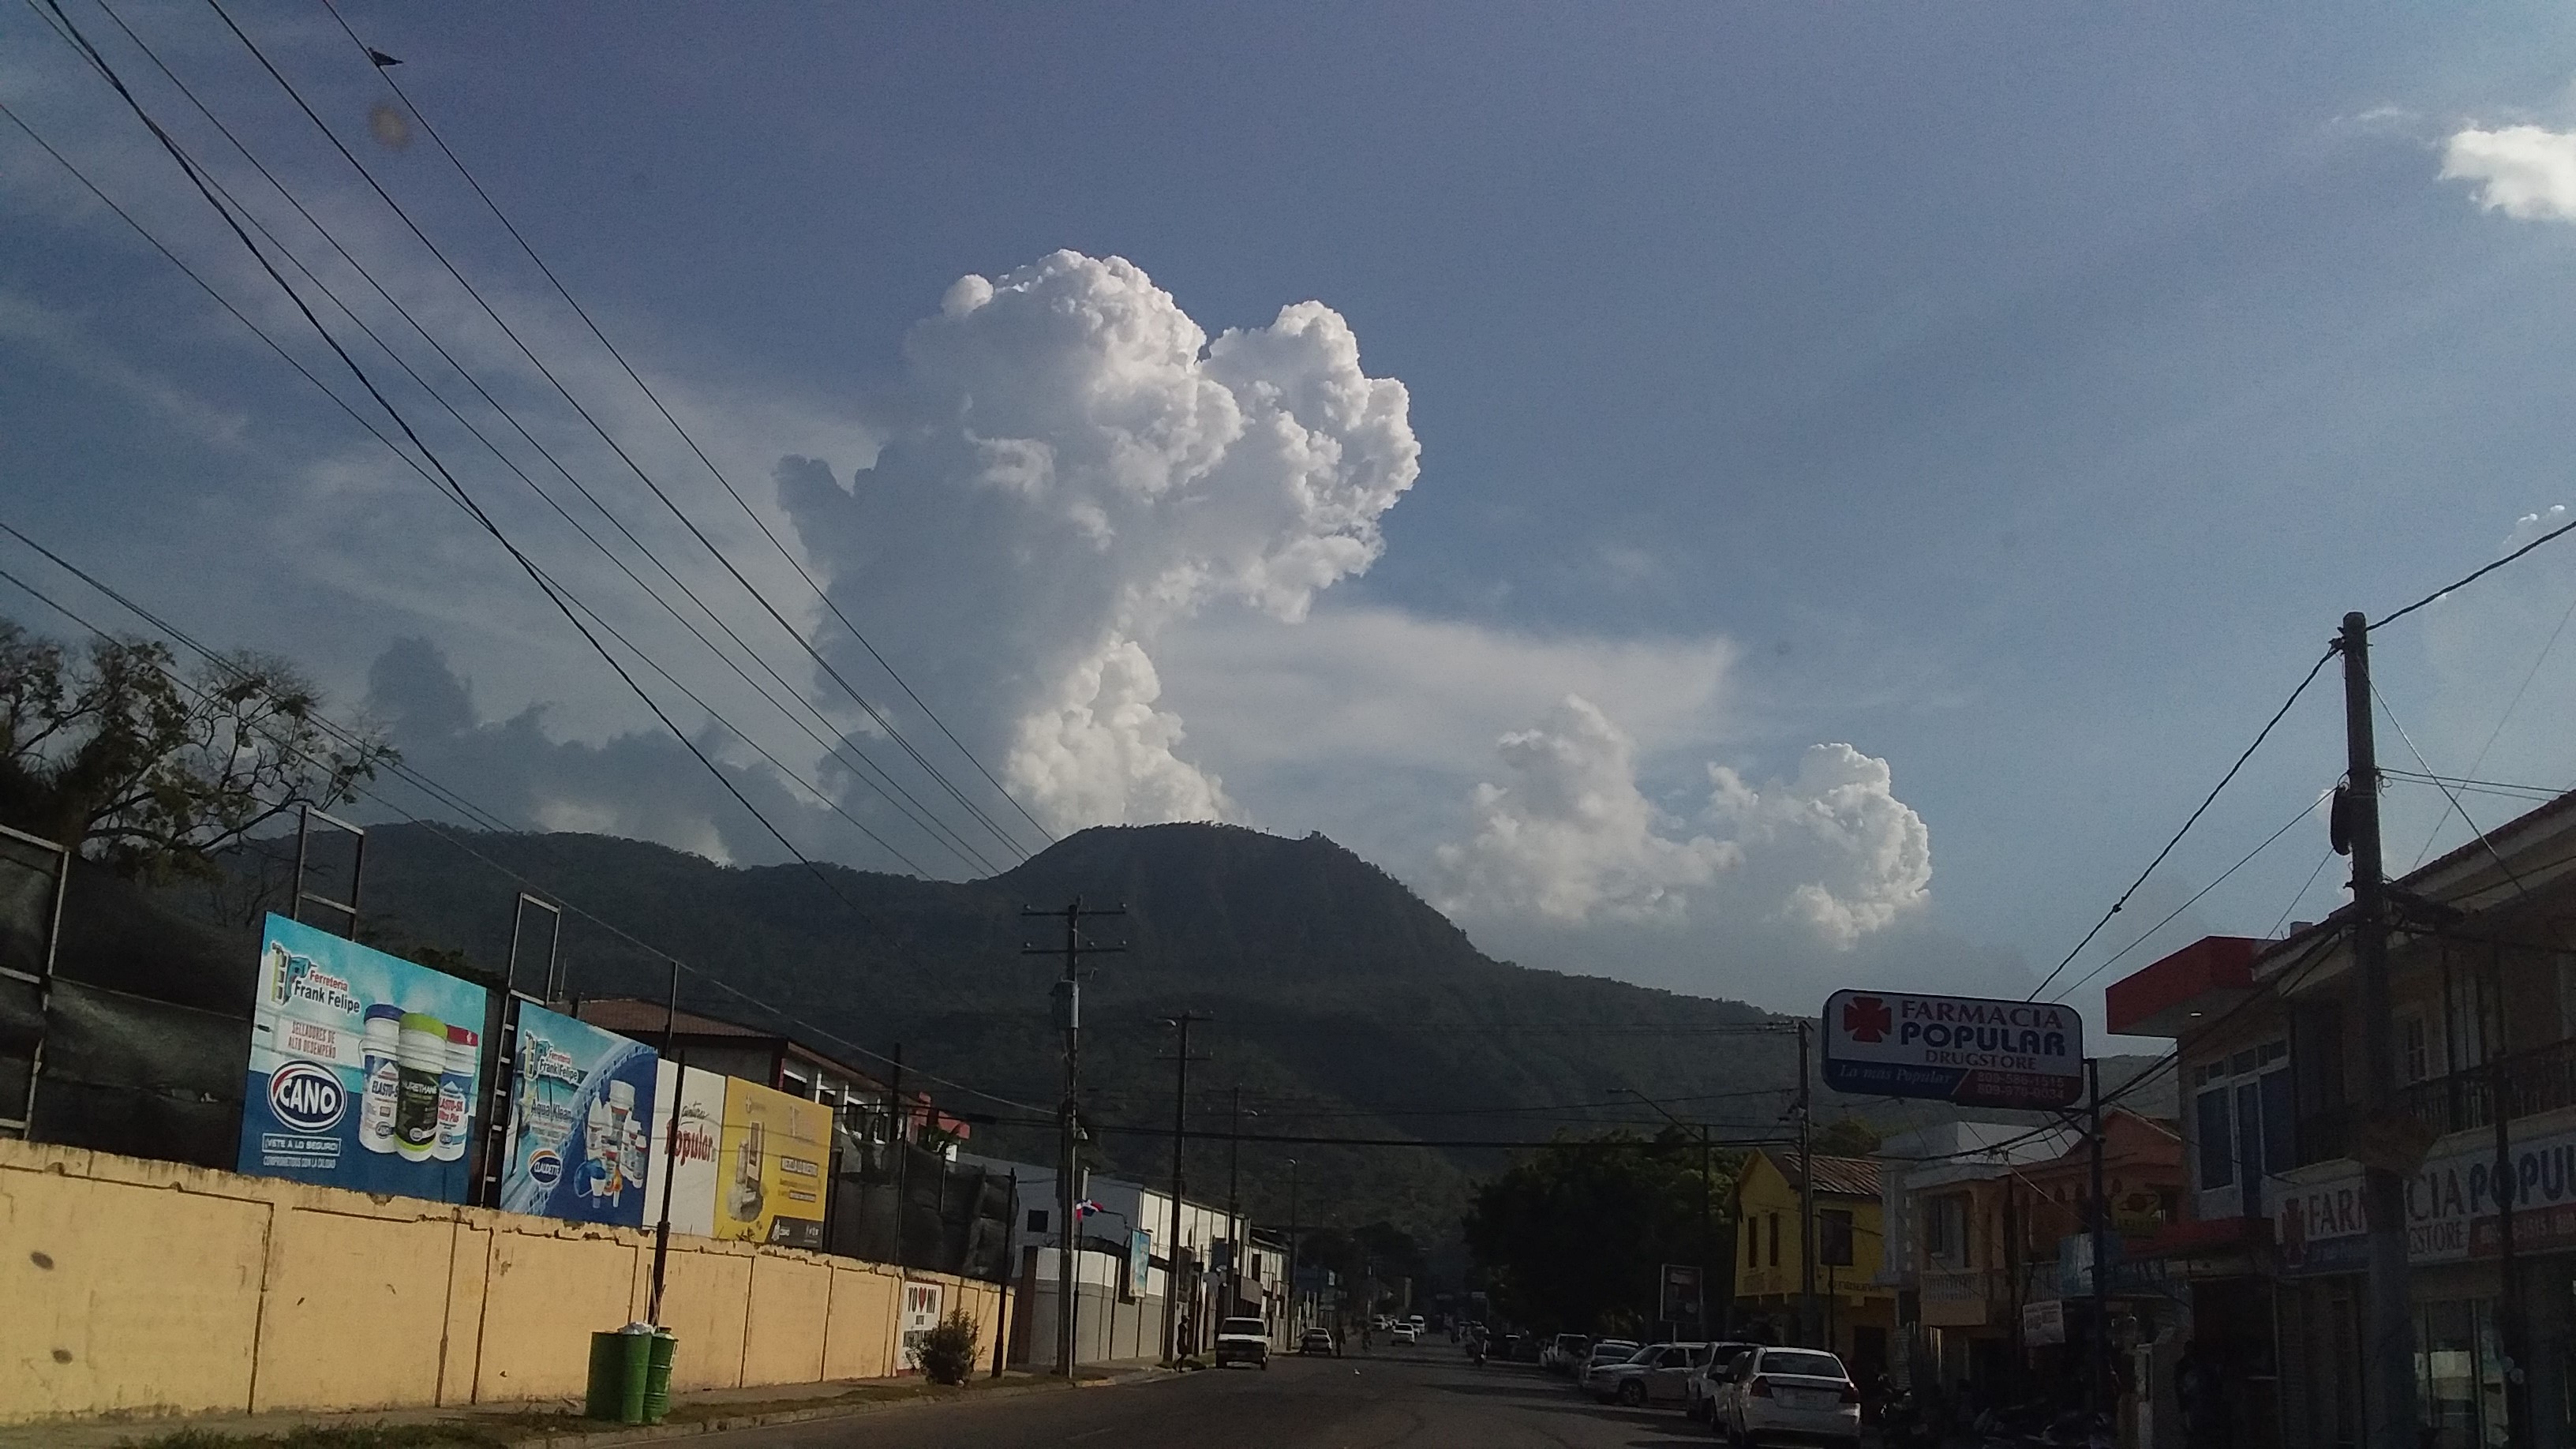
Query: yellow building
[{"x": 1854, "y": 1316}]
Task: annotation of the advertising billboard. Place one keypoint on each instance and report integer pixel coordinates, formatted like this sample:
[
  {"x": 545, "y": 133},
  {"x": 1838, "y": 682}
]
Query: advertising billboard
[
  {"x": 771, "y": 1156},
  {"x": 364, "y": 1068},
  {"x": 1965, "y": 1049},
  {"x": 581, "y": 1105},
  {"x": 1140, "y": 1258},
  {"x": 699, "y": 1099}
]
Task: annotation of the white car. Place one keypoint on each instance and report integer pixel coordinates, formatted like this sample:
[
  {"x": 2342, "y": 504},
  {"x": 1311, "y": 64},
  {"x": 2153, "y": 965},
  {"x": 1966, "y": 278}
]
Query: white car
[
  {"x": 1604, "y": 1355},
  {"x": 1563, "y": 1353},
  {"x": 1242, "y": 1340},
  {"x": 1404, "y": 1333},
  {"x": 1701, "y": 1388},
  {"x": 1789, "y": 1393},
  {"x": 1659, "y": 1374}
]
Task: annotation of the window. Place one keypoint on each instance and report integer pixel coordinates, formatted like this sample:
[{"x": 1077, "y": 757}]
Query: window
[
  {"x": 2414, "y": 1047},
  {"x": 2244, "y": 1118},
  {"x": 1945, "y": 1230},
  {"x": 1833, "y": 1237},
  {"x": 1752, "y": 1242},
  {"x": 1775, "y": 1240},
  {"x": 1037, "y": 1220}
]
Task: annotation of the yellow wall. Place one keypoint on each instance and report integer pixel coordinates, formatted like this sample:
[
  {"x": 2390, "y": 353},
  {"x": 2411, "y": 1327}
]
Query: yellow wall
[
  {"x": 156, "y": 1288},
  {"x": 1761, "y": 1192}
]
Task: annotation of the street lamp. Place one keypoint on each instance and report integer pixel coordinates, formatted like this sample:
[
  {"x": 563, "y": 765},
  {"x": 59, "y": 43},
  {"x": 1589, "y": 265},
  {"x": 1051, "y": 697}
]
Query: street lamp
[{"x": 1707, "y": 1169}]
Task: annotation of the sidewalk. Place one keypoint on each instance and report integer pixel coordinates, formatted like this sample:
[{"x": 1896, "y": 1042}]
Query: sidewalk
[{"x": 549, "y": 1424}]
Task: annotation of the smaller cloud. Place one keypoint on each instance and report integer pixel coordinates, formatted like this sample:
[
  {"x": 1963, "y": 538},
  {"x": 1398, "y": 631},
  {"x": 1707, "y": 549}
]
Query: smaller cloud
[
  {"x": 1571, "y": 836},
  {"x": 2526, "y": 172},
  {"x": 1830, "y": 852}
]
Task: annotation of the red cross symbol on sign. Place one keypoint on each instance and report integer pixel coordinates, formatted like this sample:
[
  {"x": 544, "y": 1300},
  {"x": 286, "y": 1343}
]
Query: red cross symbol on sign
[{"x": 1868, "y": 1019}]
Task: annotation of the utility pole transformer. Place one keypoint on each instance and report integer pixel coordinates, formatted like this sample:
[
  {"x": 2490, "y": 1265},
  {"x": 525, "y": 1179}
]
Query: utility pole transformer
[
  {"x": 1068, "y": 1015},
  {"x": 2388, "y": 1355}
]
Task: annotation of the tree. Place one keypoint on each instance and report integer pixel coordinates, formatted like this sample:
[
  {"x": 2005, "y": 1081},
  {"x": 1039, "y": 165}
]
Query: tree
[
  {"x": 1573, "y": 1235},
  {"x": 152, "y": 772},
  {"x": 1845, "y": 1137}
]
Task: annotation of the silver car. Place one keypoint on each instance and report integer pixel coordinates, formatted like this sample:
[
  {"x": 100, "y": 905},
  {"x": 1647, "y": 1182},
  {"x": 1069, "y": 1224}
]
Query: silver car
[
  {"x": 1602, "y": 1355},
  {"x": 1776, "y": 1394},
  {"x": 1659, "y": 1374}
]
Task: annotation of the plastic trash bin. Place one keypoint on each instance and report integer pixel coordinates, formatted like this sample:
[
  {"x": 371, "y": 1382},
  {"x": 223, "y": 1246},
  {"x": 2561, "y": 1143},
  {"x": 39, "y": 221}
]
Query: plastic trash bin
[{"x": 620, "y": 1362}]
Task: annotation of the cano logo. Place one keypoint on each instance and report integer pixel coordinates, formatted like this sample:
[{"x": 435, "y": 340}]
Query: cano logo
[{"x": 306, "y": 1096}]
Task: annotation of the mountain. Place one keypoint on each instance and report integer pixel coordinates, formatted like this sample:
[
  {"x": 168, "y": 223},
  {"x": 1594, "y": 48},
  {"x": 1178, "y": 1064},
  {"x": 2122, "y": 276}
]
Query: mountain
[{"x": 1340, "y": 1002}]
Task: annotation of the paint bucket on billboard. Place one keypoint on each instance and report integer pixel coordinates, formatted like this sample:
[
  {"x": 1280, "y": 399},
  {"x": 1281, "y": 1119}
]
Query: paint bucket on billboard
[{"x": 420, "y": 1059}]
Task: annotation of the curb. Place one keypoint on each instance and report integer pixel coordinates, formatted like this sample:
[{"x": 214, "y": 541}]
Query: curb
[{"x": 654, "y": 1433}]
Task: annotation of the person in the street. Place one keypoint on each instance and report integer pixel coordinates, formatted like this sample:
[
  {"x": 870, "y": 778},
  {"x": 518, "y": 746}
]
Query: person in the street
[{"x": 2202, "y": 1391}]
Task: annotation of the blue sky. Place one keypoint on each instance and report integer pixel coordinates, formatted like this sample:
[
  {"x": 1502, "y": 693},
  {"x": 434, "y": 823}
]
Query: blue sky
[{"x": 2017, "y": 395}]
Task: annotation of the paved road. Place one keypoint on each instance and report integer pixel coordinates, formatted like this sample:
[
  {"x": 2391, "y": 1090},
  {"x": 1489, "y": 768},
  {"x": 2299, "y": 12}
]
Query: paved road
[{"x": 1430, "y": 1399}]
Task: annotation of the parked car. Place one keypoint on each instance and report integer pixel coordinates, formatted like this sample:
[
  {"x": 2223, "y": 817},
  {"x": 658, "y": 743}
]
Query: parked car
[
  {"x": 1604, "y": 1354},
  {"x": 1318, "y": 1340},
  {"x": 1243, "y": 1340},
  {"x": 1563, "y": 1352},
  {"x": 1404, "y": 1333},
  {"x": 1802, "y": 1393},
  {"x": 1708, "y": 1377},
  {"x": 1657, "y": 1374}
]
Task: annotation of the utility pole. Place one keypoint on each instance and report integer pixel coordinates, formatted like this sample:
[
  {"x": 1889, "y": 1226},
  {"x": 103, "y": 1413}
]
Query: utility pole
[
  {"x": 1068, "y": 1013},
  {"x": 1706, "y": 1236},
  {"x": 1293, "y": 1290},
  {"x": 1233, "y": 1207},
  {"x": 2388, "y": 1354},
  {"x": 1180, "y": 1060},
  {"x": 2513, "y": 1324},
  {"x": 902, "y": 1164},
  {"x": 2101, "y": 1377},
  {"x": 1806, "y": 1196}
]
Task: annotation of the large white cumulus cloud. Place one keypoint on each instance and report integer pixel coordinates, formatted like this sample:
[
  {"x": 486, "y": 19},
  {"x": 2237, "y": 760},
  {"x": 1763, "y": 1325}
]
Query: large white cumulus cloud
[
  {"x": 1570, "y": 837},
  {"x": 2525, "y": 172},
  {"x": 1070, "y": 466}
]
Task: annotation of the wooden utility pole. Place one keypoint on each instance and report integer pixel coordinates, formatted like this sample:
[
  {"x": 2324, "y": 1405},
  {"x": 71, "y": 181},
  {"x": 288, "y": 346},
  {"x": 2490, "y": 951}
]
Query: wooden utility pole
[
  {"x": 2388, "y": 1351},
  {"x": 1068, "y": 1014},
  {"x": 1234, "y": 1207},
  {"x": 1180, "y": 1060},
  {"x": 2101, "y": 1358}
]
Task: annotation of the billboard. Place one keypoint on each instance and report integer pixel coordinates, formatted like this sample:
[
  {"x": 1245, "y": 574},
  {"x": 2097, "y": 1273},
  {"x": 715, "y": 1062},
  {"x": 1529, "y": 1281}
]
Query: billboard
[
  {"x": 771, "y": 1155},
  {"x": 1964, "y": 1049},
  {"x": 364, "y": 1068},
  {"x": 1140, "y": 1258},
  {"x": 581, "y": 1101},
  {"x": 699, "y": 1099}
]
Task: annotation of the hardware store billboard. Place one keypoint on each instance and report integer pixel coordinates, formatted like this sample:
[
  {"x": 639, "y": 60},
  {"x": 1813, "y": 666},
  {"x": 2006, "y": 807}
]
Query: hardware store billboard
[
  {"x": 1965, "y": 1049},
  {"x": 363, "y": 1068},
  {"x": 581, "y": 1108}
]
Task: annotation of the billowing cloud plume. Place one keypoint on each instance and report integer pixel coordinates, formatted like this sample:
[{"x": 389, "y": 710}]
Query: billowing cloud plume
[
  {"x": 1070, "y": 466},
  {"x": 2523, "y": 171},
  {"x": 1571, "y": 837}
]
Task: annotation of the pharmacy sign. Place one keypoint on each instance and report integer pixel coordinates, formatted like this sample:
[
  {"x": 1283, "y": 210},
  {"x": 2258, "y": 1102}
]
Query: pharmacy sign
[{"x": 1966, "y": 1049}]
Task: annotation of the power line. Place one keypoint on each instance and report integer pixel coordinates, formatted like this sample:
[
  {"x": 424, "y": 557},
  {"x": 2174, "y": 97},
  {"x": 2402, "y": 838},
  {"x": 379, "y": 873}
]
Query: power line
[
  {"x": 394, "y": 85},
  {"x": 686, "y": 522},
  {"x": 906, "y": 804},
  {"x": 2498, "y": 732},
  {"x": 2149, "y": 932},
  {"x": 535, "y": 574},
  {"x": 2206, "y": 801},
  {"x": 2474, "y": 575}
]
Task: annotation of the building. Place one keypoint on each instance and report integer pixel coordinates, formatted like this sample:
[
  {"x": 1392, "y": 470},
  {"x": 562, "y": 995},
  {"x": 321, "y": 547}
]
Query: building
[
  {"x": 1954, "y": 1252},
  {"x": 2269, "y": 1047},
  {"x": 863, "y": 1103},
  {"x": 1855, "y": 1314}
]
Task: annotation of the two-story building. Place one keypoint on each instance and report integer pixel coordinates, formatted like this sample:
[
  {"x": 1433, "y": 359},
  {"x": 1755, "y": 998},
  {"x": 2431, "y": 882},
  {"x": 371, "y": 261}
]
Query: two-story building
[
  {"x": 1855, "y": 1313},
  {"x": 1954, "y": 1251},
  {"x": 2269, "y": 1048}
]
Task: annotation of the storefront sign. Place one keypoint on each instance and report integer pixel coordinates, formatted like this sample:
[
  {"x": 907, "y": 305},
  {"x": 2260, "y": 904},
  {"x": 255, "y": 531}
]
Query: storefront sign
[
  {"x": 2450, "y": 1209},
  {"x": 1965, "y": 1049},
  {"x": 2043, "y": 1323},
  {"x": 364, "y": 1068}
]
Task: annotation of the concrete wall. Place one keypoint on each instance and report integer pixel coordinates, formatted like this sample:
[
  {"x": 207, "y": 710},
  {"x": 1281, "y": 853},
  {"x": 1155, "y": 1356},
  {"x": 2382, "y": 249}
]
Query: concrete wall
[{"x": 156, "y": 1288}]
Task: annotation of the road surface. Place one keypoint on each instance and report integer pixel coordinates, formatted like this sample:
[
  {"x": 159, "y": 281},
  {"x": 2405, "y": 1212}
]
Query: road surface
[{"x": 1430, "y": 1398}]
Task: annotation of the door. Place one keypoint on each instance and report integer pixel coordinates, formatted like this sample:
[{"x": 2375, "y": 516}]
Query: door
[{"x": 1665, "y": 1382}]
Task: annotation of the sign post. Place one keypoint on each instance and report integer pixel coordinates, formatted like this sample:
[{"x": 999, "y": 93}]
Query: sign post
[{"x": 1971, "y": 1050}]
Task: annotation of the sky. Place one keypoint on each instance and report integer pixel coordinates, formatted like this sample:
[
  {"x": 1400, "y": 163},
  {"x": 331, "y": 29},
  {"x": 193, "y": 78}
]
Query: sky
[{"x": 1746, "y": 499}]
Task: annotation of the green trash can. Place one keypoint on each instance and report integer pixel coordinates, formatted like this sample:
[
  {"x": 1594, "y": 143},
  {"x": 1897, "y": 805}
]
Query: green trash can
[
  {"x": 657, "y": 1375},
  {"x": 620, "y": 1363}
]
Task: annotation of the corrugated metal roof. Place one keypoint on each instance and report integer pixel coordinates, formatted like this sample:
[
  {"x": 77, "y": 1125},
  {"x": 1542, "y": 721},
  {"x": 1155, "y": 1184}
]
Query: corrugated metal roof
[
  {"x": 1849, "y": 1176},
  {"x": 638, "y": 1018}
]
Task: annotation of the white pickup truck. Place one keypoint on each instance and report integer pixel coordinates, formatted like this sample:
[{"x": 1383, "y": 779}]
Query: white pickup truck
[{"x": 1242, "y": 1340}]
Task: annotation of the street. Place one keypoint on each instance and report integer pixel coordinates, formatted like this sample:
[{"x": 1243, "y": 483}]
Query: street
[{"x": 1426, "y": 1399}]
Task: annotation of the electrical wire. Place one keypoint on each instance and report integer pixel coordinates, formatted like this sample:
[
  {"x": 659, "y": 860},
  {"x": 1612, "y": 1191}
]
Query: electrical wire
[
  {"x": 658, "y": 491},
  {"x": 890, "y": 789},
  {"x": 2498, "y": 732},
  {"x": 385, "y": 74},
  {"x": 2241, "y": 861},
  {"x": 2206, "y": 801},
  {"x": 2409, "y": 741},
  {"x": 2474, "y": 575}
]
